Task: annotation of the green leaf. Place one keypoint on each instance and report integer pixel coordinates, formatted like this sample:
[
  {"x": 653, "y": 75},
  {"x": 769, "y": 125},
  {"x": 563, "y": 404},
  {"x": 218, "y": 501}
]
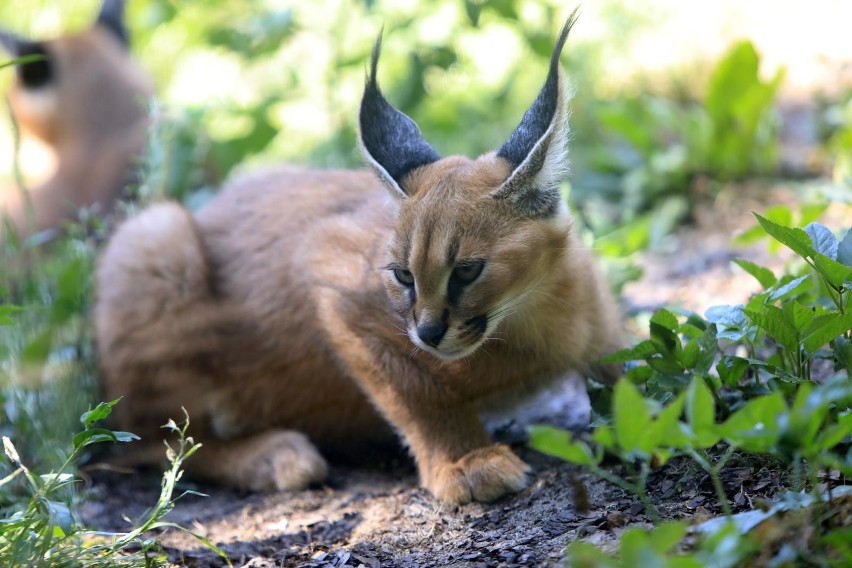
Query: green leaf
[
  {"x": 665, "y": 364},
  {"x": 559, "y": 443},
  {"x": 805, "y": 417},
  {"x": 689, "y": 356},
  {"x": 823, "y": 329},
  {"x": 60, "y": 516},
  {"x": 708, "y": 350},
  {"x": 782, "y": 290},
  {"x": 701, "y": 413},
  {"x": 823, "y": 240},
  {"x": 638, "y": 352},
  {"x": 631, "y": 419},
  {"x": 583, "y": 554},
  {"x": 653, "y": 549},
  {"x": 755, "y": 427},
  {"x": 798, "y": 315},
  {"x": 795, "y": 239},
  {"x": 665, "y": 536},
  {"x": 774, "y": 322},
  {"x": 834, "y": 272},
  {"x": 834, "y": 433},
  {"x": 726, "y": 315},
  {"x": 731, "y": 369},
  {"x": 605, "y": 437},
  {"x": 98, "y": 435},
  {"x": 663, "y": 328},
  {"x": 666, "y": 319},
  {"x": 842, "y": 349},
  {"x": 666, "y": 429},
  {"x": 844, "y": 249},
  {"x": 780, "y": 214},
  {"x": 100, "y": 412},
  {"x": 763, "y": 275},
  {"x": 71, "y": 290}
]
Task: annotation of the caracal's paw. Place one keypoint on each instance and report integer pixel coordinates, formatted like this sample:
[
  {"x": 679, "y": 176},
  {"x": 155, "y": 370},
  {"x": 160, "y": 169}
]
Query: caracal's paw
[
  {"x": 485, "y": 474},
  {"x": 280, "y": 460}
]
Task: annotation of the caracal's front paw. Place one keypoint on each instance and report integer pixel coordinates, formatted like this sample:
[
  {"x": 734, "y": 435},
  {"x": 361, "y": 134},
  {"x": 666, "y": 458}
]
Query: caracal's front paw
[
  {"x": 485, "y": 474},
  {"x": 281, "y": 460}
]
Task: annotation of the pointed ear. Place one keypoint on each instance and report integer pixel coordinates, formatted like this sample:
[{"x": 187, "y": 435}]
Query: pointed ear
[
  {"x": 391, "y": 142},
  {"x": 111, "y": 17},
  {"x": 537, "y": 150}
]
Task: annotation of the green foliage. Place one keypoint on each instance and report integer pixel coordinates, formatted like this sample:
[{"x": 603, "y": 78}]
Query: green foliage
[
  {"x": 667, "y": 145},
  {"x": 639, "y": 547},
  {"x": 41, "y": 528},
  {"x": 706, "y": 404}
]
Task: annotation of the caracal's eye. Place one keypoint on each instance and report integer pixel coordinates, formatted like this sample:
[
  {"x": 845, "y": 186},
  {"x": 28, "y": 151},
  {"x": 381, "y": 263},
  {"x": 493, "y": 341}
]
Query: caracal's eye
[
  {"x": 468, "y": 272},
  {"x": 404, "y": 277}
]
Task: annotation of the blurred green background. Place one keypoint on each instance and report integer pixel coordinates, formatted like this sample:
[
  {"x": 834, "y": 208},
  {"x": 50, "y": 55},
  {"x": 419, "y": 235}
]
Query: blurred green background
[{"x": 667, "y": 94}]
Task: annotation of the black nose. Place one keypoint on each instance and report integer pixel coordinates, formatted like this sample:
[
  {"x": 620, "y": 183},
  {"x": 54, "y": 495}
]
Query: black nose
[{"x": 431, "y": 334}]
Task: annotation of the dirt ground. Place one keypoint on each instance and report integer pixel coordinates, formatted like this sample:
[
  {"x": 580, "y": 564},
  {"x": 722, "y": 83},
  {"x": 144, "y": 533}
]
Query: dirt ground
[{"x": 380, "y": 517}]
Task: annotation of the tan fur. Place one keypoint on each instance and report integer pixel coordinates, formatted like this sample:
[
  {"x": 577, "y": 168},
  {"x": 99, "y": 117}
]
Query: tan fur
[
  {"x": 274, "y": 313},
  {"x": 267, "y": 311},
  {"x": 93, "y": 117}
]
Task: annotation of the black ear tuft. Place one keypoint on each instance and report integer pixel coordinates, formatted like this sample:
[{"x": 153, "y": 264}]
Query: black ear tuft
[
  {"x": 391, "y": 141},
  {"x": 38, "y": 73},
  {"x": 538, "y": 118},
  {"x": 538, "y": 148},
  {"x": 111, "y": 17}
]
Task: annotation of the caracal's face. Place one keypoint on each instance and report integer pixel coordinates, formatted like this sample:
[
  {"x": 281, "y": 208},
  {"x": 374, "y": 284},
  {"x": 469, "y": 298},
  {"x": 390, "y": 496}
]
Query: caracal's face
[{"x": 460, "y": 261}]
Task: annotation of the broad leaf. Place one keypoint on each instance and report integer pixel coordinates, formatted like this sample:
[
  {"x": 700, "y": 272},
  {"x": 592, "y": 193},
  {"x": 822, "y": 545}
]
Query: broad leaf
[
  {"x": 798, "y": 315},
  {"x": 666, "y": 319},
  {"x": 100, "y": 412},
  {"x": 795, "y": 239},
  {"x": 638, "y": 352},
  {"x": 666, "y": 429},
  {"x": 726, "y": 315},
  {"x": 731, "y": 369},
  {"x": 631, "y": 419},
  {"x": 774, "y": 322},
  {"x": 701, "y": 413},
  {"x": 824, "y": 329},
  {"x": 842, "y": 349},
  {"x": 781, "y": 291},
  {"x": 844, "y": 250},
  {"x": 835, "y": 433},
  {"x": 755, "y": 427},
  {"x": 763, "y": 275},
  {"x": 689, "y": 356},
  {"x": 823, "y": 240},
  {"x": 834, "y": 272},
  {"x": 559, "y": 443}
]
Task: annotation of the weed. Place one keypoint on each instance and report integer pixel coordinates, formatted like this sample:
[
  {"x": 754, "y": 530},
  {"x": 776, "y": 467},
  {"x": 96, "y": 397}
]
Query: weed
[{"x": 41, "y": 529}]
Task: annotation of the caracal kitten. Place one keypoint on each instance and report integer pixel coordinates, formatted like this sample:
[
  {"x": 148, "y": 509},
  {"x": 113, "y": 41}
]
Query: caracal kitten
[
  {"x": 85, "y": 99},
  {"x": 309, "y": 312}
]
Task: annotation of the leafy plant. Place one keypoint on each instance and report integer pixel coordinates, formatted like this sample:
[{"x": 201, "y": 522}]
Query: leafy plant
[
  {"x": 44, "y": 531},
  {"x": 666, "y": 146},
  {"x": 703, "y": 403}
]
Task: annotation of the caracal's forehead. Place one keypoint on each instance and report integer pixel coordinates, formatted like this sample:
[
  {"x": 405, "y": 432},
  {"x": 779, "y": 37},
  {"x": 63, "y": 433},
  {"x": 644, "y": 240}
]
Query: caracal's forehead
[{"x": 451, "y": 216}]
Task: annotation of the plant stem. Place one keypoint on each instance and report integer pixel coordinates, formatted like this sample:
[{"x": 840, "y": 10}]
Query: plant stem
[
  {"x": 713, "y": 472},
  {"x": 797, "y": 472}
]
